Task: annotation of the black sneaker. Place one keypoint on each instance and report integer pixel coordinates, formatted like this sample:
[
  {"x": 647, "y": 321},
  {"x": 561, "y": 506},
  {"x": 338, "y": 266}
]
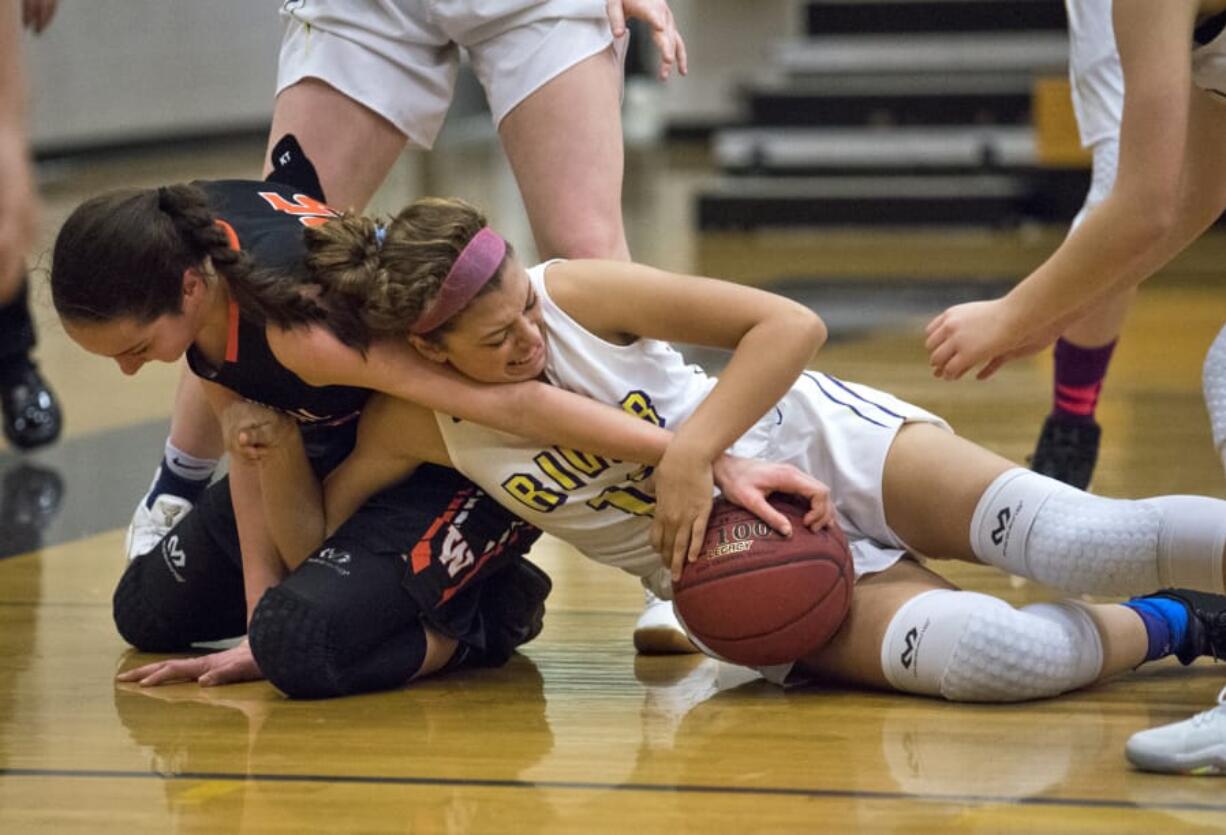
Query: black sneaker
[
  {"x": 31, "y": 412},
  {"x": 1206, "y": 623},
  {"x": 1067, "y": 451}
]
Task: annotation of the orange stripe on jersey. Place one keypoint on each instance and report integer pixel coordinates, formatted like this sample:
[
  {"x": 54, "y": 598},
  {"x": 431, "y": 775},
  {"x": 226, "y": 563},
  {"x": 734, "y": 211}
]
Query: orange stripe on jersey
[
  {"x": 232, "y": 335},
  {"x": 419, "y": 557},
  {"x": 497, "y": 551},
  {"x": 231, "y": 235}
]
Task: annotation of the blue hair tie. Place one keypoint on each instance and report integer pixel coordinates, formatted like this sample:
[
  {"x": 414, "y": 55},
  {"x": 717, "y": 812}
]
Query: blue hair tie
[{"x": 380, "y": 236}]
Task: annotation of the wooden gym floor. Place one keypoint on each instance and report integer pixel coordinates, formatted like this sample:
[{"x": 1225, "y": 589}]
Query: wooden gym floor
[{"x": 577, "y": 734}]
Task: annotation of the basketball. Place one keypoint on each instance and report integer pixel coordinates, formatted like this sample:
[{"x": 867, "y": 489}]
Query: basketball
[{"x": 757, "y": 598}]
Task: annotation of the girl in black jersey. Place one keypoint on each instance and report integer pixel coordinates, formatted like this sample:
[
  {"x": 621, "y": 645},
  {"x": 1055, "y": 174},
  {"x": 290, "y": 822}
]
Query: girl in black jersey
[
  {"x": 214, "y": 271},
  {"x": 427, "y": 574}
]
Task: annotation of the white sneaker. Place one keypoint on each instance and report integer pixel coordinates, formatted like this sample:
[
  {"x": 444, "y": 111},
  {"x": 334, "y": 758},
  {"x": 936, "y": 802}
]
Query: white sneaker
[
  {"x": 150, "y": 524},
  {"x": 1193, "y": 746},
  {"x": 658, "y": 631}
]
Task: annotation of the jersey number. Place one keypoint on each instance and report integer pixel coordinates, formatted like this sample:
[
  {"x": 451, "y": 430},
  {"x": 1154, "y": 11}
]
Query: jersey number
[{"x": 307, "y": 209}]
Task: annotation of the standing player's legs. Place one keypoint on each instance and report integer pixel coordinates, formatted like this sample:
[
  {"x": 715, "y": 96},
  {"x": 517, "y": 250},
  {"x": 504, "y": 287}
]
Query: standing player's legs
[
  {"x": 564, "y": 142},
  {"x": 1067, "y": 449},
  {"x": 350, "y": 163}
]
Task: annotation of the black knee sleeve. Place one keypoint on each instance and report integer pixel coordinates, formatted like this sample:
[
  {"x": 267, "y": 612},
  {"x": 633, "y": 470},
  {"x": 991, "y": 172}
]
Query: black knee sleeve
[
  {"x": 138, "y": 622},
  {"x": 289, "y": 640},
  {"x": 189, "y": 588},
  {"x": 295, "y": 643}
]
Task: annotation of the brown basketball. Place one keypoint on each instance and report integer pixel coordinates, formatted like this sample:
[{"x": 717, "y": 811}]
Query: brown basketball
[{"x": 756, "y": 598}]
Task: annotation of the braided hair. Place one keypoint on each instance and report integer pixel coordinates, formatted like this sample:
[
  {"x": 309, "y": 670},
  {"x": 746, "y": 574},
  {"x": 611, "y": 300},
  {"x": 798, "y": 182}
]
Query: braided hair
[
  {"x": 123, "y": 255},
  {"x": 376, "y": 280}
]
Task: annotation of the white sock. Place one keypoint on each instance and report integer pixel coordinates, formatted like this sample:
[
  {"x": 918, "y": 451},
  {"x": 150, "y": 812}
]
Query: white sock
[{"x": 188, "y": 466}]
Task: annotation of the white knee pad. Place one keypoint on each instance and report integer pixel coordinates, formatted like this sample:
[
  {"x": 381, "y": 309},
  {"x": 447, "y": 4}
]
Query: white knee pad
[
  {"x": 1214, "y": 377},
  {"x": 1036, "y": 527},
  {"x": 969, "y": 647}
]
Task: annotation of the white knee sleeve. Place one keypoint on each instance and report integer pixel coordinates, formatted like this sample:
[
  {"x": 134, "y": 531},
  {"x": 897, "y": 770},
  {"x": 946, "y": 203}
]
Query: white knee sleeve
[
  {"x": 969, "y": 647},
  {"x": 1036, "y": 527},
  {"x": 1215, "y": 390}
]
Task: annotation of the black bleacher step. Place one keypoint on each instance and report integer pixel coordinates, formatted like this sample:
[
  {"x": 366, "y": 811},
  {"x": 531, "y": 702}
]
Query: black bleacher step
[
  {"x": 978, "y": 98},
  {"x": 789, "y": 152},
  {"x": 992, "y": 200},
  {"x": 831, "y": 17},
  {"x": 947, "y": 55}
]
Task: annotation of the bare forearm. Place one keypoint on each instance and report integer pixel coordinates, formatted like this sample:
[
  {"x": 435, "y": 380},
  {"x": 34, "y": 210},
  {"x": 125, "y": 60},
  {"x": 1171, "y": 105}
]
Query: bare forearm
[
  {"x": 1114, "y": 250},
  {"x": 293, "y": 501},
  {"x": 557, "y": 417},
  {"x": 262, "y": 566},
  {"x": 767, "y": 361},
  {"x": 533, "y": 410}
]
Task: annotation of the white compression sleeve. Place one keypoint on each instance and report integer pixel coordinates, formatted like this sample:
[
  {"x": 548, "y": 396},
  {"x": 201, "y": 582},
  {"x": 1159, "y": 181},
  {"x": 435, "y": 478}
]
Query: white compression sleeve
[
  {"x": 966, "y": 646},
  {"x": 1036, "y": 527}
]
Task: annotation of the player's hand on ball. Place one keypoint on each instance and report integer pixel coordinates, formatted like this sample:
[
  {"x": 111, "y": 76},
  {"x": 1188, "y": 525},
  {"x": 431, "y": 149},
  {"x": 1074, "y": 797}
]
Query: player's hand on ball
[
  {"x": 251, "y": 430},
  {"x": 684, "y": 488},
  {"x": 748, "y": 482},
  {"x": 968, "y": 336},
  {"x": 227, "y": 667}
]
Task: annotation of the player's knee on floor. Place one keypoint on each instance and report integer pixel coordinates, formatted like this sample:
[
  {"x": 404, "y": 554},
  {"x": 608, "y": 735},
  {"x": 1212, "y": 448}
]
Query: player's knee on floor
[
  {"x": 969, "y": 647},
  {"x": 138, "y": 621},
  {"x": 295, "y": 643}
]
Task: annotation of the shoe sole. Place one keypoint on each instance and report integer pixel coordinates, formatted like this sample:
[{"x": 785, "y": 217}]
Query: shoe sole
[{"x": 1209, "y": 763}]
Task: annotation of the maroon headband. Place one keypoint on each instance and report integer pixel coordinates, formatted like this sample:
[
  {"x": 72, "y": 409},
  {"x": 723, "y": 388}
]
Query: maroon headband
[{"x": 477, "y": 264}]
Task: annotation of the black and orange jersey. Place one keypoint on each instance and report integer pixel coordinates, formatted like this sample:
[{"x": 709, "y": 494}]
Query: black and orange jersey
[{"x": 266, "y": 220}]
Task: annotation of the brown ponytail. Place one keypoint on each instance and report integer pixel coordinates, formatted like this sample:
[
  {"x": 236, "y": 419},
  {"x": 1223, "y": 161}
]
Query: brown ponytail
[{"x": 123, "y": 254}]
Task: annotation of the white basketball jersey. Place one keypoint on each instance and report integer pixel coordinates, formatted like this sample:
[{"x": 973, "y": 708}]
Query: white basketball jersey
[
  {"x": 838, "y": 432},
  {"x": 601, "y": 506}
]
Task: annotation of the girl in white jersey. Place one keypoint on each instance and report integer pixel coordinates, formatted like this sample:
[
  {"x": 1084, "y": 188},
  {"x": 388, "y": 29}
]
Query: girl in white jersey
[
  {"x": 900, "y": 482},
  {"x": 1170, "y": 187}
]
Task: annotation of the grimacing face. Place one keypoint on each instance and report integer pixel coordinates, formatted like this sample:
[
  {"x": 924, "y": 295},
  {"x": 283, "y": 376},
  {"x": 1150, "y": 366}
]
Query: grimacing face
[{"x": 499, "y": 337}]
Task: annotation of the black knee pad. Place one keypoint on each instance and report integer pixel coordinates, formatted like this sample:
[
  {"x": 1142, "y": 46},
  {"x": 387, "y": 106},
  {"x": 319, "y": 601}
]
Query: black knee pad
[
  {"x": 290, "y": 640},
  {"x": 138, "y": 622},
  {"x": 295, "y": 642}
]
